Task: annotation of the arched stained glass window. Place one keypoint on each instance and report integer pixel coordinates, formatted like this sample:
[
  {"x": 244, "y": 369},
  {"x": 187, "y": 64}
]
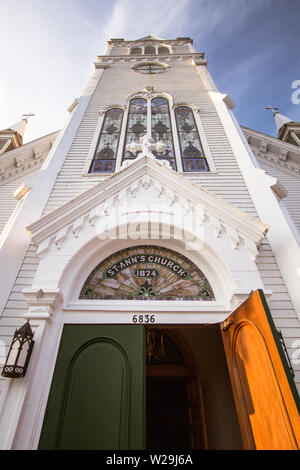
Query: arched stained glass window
[
  {"x": 106, "y": 152},
  {"x": 150, "y": 50},
  {"x": 136, "y": 124},
  {"x": 147, "y": 273},
  {"x": 136, "y": 51},
  {"x": 139, "y": 115},
  {"x": 192, "y": 154},
  {"x": 161, "y": 128},
  {"x": 163, "y": 50}
]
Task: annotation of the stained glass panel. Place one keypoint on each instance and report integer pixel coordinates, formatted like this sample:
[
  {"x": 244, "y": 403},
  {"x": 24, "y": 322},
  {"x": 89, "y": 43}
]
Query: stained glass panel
[
  {"x": 106, "y": 152},
  {"x": 163, "y": 50},
  {"x": 136, "y": 51},
  {"x": 147, "y": 273},
  {"x": 136, "y": 125},
  {"x": 161, "y": 129},
  {"x": 192, "y": 155},
  {"x": 150, "y": 68},
  {"x": 150, "y": 50}
]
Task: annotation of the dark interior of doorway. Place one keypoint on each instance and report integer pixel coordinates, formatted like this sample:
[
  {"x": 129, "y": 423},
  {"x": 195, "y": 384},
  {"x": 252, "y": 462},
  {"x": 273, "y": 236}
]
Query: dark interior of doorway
[
  {"x": 165, "y": 395},
  {"x": 188, "y": 393}
]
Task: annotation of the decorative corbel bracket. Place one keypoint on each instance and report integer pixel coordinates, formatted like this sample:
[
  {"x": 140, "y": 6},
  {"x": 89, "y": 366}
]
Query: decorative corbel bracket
[{"x": 41, "y": 303}]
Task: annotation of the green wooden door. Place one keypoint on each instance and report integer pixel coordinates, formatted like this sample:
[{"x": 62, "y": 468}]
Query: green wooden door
[{"x": 97, "y": 397}]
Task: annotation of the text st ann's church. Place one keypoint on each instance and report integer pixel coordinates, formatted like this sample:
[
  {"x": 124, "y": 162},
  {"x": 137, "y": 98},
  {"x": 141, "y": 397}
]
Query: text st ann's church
[{"x": 152, "y": 249}]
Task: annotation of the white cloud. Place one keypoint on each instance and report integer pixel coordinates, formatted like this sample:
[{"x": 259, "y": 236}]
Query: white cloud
[
  {"x": 48, "y": 50},
  {"x": 131, "y": 19},
  {"x": 2, "y": 92}
]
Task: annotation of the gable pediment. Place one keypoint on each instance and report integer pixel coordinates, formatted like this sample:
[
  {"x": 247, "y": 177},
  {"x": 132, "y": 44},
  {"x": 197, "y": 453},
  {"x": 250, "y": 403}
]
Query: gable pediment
[{"x": 145, "y": 182}]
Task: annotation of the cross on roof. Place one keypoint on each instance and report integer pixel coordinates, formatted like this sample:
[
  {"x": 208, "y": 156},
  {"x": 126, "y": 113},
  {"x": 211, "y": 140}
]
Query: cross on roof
[
  {"x": 28, "y": 115},
  {"x": 272, "y": 108}
]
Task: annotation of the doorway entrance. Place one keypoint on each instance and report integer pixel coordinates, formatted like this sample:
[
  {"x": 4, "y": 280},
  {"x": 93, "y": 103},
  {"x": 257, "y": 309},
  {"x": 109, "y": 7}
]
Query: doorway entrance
[
  {"x": 167, "y": 413},
  {"x": 189, "y": 399},
  {"x": 98, "y": 397}
]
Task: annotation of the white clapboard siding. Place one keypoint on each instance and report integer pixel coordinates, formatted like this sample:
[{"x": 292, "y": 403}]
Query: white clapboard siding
[
  {"x": 183, "y": 84},
  {"x": 7, "y": 200},
  {"x": 17, "y": 166},
  {"x": 291, "y": 182}
]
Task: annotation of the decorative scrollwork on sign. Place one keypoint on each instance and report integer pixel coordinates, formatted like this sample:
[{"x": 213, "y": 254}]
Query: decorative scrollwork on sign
[{"x": 147, "y": 273}]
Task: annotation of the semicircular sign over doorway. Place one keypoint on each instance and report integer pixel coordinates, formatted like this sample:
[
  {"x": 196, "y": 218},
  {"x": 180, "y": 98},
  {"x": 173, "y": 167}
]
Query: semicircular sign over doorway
[{"x": 147, "y": 273}]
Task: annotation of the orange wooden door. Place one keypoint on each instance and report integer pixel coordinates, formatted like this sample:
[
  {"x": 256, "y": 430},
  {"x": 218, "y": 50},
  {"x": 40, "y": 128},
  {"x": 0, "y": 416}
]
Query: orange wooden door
[{"x": 265, "y": 396}]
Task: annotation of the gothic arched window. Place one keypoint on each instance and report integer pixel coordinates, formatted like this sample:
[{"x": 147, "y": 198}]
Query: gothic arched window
[
  {"x": 136, "y": 51},
  {"x": 150, "y": 117},
  {"x": 192, "y": 154},
  {"x": 161, "y": 129},
  {"x": 136, "y": 124},
  {"x": 163, "y": 50},
  {"x": 150, "y": 50},
  {"x": 147, "y": 272},
  {"x": 104, "y": 160}
]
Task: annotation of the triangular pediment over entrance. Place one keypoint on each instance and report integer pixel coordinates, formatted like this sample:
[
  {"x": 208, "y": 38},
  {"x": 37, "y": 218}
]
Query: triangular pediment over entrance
[{"x": 146, "y": 186}]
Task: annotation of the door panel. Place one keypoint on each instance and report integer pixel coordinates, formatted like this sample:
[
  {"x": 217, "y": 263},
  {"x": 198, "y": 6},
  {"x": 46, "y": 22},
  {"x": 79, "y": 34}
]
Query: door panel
[
  {"x": 264, "y": 396},
  {"x": 96, "y": 399}
]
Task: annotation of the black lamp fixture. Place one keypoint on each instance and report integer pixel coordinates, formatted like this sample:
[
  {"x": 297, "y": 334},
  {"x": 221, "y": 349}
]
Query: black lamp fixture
[{"x": 19, "y": 352}]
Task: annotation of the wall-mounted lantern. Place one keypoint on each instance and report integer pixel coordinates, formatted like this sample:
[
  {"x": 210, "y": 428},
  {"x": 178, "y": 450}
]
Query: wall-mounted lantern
[{"x": 19, "y": 352}]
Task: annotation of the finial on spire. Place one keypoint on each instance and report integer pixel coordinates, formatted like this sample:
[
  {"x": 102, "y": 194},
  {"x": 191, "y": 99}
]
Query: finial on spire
[{"x": 273, "y": 109}]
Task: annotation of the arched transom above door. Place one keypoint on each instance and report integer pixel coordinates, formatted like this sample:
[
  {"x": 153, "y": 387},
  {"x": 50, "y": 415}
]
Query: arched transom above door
[{"x": 147, "y": 273}]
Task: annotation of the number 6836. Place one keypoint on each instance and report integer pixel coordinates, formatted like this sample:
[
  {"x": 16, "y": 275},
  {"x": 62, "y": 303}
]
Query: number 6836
[{"x": 145, "y": 318}]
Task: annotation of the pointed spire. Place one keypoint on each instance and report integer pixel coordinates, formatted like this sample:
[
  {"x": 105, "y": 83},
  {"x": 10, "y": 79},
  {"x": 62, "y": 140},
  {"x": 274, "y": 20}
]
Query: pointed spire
[
  {"x": 280, "y": 119},
  {"x": 287, "y": 129},
  {"x": 12, "y": 137},
  {"x": 20, "y": 127}
]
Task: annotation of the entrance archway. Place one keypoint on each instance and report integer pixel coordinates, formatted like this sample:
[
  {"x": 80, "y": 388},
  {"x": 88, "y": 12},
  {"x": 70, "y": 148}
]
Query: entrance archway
[{"x": 99, "y": 386}]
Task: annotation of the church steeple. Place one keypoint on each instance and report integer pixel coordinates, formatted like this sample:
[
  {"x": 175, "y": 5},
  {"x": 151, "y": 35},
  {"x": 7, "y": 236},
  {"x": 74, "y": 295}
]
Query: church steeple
[
  {"x": 287, "y": 129},
  {"x": 12, "y": 137}
]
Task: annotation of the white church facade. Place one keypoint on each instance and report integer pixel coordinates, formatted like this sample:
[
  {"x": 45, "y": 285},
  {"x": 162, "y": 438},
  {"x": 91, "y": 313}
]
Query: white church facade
[{"x": 153, "y": 246}]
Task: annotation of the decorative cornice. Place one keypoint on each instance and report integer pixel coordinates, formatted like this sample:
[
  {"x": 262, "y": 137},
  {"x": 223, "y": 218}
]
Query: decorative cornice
[
  {"x": 273, "y": 150},
  {"x": 153, "y": 40},
  {"x": 287, "y": 166},
  {"x": 109, "y": 59},
  {"x": 25, "y": 158},
  {"x": 149, "y": 174}
]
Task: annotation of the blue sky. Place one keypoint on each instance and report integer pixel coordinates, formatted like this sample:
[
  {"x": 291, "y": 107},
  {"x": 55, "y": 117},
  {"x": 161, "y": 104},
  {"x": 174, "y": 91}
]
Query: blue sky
[{"x": 48, "y": 50}]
